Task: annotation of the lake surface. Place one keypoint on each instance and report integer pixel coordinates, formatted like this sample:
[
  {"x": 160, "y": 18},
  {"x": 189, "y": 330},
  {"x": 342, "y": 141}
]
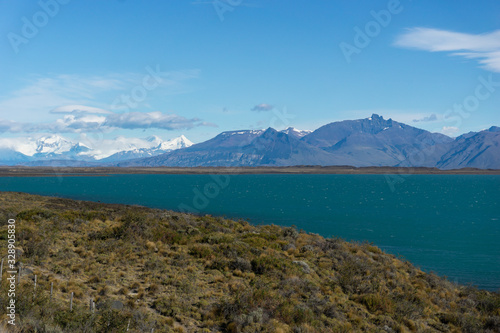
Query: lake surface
[{"x": 449, "y": 224}]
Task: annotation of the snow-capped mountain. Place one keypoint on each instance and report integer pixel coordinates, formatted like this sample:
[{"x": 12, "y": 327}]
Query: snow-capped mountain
[
  {"x": 176, "y": 143},
  {"x": 372, "y": 141},
  {"x": 295, "y": 132},
  {"x": 157, "y": 147},
  {"x": 57, "y": 148},
  {"x": 53, "y": 144}
]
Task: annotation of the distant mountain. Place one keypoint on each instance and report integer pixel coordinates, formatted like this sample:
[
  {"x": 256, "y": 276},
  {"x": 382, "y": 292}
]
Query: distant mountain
[
  {"x": 375, "y": 141},
  {"x": 295, "y": 132},
  {"x": 28, "y": 151},
  {"x": 12, "y": 157},
  {"x": 224, "y": 149},
  {"x": 59, "y": 151},
  {"x": 372, "y": 141},
  {"x": 57, "y": 147},
  {"x": 161, "y": 148},
  {"x": 245, "y": 148},
  {"x": 474, "y": 150},
  {"x": 53, "y": 144}
]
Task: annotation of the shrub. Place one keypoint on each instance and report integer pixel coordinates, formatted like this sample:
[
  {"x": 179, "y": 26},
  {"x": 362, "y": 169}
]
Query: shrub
[
  {"x": 242, "y": 264},
  {"x": 200, "y": 251},
  {"x": 266, "y": 264},
  {"x": 34, "y": 214},
  {"x": 377, "y": 302},
  {"x": 290, "y": 232}
]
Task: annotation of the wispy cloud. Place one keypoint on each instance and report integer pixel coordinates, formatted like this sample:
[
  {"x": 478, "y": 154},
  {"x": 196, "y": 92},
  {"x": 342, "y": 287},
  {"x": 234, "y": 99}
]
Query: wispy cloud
[
  {"x": 79, "y": 104},
  {"x": 432, "y": 117},
  {"x": 263, "y": 107},
  {"x": 135, "y": 120},
  {"x": 449, "y": 130},
  {"x": 483, "y": 47},
  {"x": 56, "y": 93},
  {"x": 81, "y": 122},
  {"x": 66, "y": 109}
]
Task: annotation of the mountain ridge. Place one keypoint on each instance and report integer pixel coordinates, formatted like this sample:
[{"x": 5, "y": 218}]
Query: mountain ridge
[
  {"x": 372, "y": 141},
  {"x": 55, "y": 149},
  {"x": 368, "y": 142}
]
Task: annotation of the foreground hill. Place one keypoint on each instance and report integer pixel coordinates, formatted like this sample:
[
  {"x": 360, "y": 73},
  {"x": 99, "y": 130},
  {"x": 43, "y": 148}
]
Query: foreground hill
[{"x": 149, "y": 268}]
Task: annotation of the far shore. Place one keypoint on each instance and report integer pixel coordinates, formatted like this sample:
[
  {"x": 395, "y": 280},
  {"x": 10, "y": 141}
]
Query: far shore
[{"x": 23, "y": 171}]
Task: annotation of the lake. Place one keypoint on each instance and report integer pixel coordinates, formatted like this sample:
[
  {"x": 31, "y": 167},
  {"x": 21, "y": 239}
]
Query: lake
[{"x": 449, "y": 224}]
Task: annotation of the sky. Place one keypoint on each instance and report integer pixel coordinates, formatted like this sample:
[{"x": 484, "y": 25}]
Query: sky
[{"x": 102, "y": 69}]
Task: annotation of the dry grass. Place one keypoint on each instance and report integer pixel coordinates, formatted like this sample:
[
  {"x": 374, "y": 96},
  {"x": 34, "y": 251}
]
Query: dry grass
[{"x": 183, "y": 273}]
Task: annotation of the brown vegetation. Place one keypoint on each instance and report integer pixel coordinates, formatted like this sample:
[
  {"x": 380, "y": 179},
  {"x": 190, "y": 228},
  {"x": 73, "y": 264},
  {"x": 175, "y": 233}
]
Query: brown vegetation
[
  {"x": 183, "y": 273},
  {"x": 23, "y": 171}
]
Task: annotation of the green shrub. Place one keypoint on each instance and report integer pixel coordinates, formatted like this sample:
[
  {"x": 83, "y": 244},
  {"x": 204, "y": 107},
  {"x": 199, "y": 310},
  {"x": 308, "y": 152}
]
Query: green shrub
[
  {"x": 377, "y": 302},
  {"x": 266, "y": 264},
  {"x": 34, "y": 214},
  {"x": 200, "y": 251}
]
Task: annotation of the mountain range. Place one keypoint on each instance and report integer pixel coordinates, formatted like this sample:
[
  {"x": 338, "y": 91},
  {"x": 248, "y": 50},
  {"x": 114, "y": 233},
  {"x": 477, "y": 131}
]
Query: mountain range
[
  {"x": 55, "y": 150},
  {"x": 372, "y": 141}
]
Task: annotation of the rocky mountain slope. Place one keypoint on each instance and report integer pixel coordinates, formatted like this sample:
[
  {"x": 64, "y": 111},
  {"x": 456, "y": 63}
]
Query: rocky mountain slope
[{"x": 373, "y": 141}]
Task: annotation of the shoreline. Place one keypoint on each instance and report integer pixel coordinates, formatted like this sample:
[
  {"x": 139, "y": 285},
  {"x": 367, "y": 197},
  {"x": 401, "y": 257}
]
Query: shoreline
[
  {"x": 200, "y": 215},
  {"x": 175, "y": 266},
  {"x": 22, "y": 171}
]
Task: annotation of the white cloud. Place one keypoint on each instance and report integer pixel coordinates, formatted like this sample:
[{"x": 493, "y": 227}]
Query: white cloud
[
  {"x": 449, "y": 130},
  {"x": 262, "y": 107},
  {"x": 134, "y": 120},
  {"x": 483, "y": 47},
  {"x": 83, "y": 103},
  {"x": 23, "y": 145},
  {"x": 40, "y": 95},
  {"x": 83, "y": 122},
  {"x": 79, "y": 109},
  {"x": 432, "y": 117}
]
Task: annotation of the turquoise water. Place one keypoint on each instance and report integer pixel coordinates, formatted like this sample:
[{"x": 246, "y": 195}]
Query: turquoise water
[{"x": 449, "y": 224}]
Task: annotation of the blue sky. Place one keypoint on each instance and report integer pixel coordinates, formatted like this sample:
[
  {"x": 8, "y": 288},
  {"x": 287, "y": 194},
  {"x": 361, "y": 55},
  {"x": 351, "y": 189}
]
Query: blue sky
[{"x": 200, "y": 67}]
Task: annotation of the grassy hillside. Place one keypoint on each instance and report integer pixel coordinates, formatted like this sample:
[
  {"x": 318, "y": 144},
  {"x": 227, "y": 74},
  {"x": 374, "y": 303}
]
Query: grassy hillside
[{"x": 149, "y": 268}]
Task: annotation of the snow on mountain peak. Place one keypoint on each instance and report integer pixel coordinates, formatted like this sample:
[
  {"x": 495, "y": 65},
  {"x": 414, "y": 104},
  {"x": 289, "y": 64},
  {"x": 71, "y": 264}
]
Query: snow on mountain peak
[
  {"x": 186, "y": 140},
  {"x": 176, "y": 143},
  {"x": 51, "y": 145},
  {"x": 296, "y": 132},
  {"x": 54, "y": 144}
]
